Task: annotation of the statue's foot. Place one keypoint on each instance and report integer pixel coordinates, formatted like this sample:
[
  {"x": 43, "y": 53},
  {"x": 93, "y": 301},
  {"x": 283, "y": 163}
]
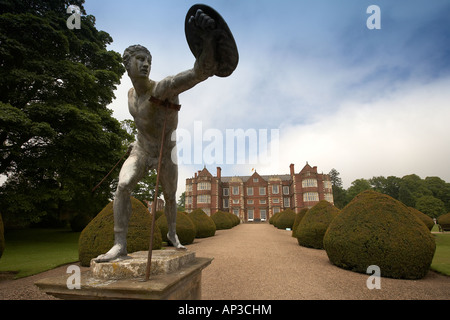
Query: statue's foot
[
  {"x": 117, "y": 252},
  {"x": 175, "y": 242}
]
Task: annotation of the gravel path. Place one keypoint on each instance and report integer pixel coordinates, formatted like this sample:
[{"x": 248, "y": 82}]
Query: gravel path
[{"x": 260, "y": 262}]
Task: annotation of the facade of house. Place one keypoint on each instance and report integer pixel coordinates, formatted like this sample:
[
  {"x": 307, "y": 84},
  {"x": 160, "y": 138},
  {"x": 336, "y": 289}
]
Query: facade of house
[{"x": 257, "y": 197}]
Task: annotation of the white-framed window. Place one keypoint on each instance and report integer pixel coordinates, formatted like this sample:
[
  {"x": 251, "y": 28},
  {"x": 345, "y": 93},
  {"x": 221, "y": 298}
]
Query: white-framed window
[
  {"x": 329, "y": 197},
  {"x": 188, "y": 200},
  {"x": 235, "y": 190},
  {"x": 262, "y": 201},
  {"x": 189, "y": 187},
  {"x": 275, "y": 189},
  {"x": 249, "y": 201},
  {"x": 226, "y": 203},
  {"x": 251, "y": 214},
  {"x": 204, "y": 186},
  {"x": 327, "y": 184},
  {"x": 262, "y": 191},
  {"x": 263, "y": 214},
  {"x": 249, "y": 191},
  {"x": 276, "y": 200},
  {"x": 236, "y": 211},
  {"x": 204, "y": 198},
  {"x": 286, "y": 202},
  {"x": 226, "y": 192},
  {"x": 207, "y": 211},
  {"x": 285, "y": 189},
  {"x": 310, "y": 196},
  {"x": 276, "y": 209},
  {"x": 306, "y": 183},
  {"x": 255, "y": 179}
]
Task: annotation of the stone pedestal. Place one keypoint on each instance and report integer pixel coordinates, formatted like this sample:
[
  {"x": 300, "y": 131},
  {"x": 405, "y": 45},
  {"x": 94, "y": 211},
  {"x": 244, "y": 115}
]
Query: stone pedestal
[{"x": 175, "y": 275}]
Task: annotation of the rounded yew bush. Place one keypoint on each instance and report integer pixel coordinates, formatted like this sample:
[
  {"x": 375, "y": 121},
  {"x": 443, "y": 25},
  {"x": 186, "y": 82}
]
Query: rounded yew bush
[
  {"x": 185, "y": 228},
  {"x": 375, "y": 229},
  {"x": 285, "y": 219},
  {"x": 444, "y": 221},
  {"x": 312, "y": 227},
  {"x": 204, "y": 225},
  {"x": 423, "y": 217},
  {"x": 274, "y": 218},
  {"x": 298, "y": 217},
  {"x": 98, "y": 236},
  {"x": 222, "y": 220}
]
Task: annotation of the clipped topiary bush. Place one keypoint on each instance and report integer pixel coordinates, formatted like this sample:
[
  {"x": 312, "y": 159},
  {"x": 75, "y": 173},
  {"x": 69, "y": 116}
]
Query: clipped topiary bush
[
  {"x": 204, "y": 225},
  {"x": 312, "y": 227},
  {"x": 285, "y": 219},
  {"x": 2, "y": 237},
  {"x": 98, "y": 236},
  {"x": 298, "y": 217},
  {"x": 444, "y": 221},
  {"x": 274, "y": 218},
  {"x": 222, "y": 220},
  {"x": 375, "y": 229},
  {"x": 423, "y": 217},
  {"x": 185, "y": 228},
  {"x": 234, "y": 219}
]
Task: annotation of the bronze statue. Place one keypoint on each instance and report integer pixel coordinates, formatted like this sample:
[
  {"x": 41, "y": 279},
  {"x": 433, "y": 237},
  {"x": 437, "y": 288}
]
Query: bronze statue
[{"x": 154, "y": 106}]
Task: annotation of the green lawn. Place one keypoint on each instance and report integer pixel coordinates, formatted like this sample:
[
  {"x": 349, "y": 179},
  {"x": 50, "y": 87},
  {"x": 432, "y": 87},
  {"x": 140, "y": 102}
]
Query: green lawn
[
  {"x": 32, "y": 251},
  {"x": 441, "y": 260}
]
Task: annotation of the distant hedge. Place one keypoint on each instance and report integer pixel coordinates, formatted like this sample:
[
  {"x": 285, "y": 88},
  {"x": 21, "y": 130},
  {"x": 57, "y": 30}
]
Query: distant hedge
[
  {"x": 223, "y": 220},
  {"x": 299, "y": 216},
  {"x": 274, "y": 218},
  {"x": 285, "y": 220},
  {"x": 204, "y": 224},
  {"x": 423, "y": 217},
  {"x": 375, "y": 229},
  {"x": 185, "y": 228},
  {"x": 444, "y": 221},
  {"x": 98, "y": 236},
  {"x": 314, "y": 224}
]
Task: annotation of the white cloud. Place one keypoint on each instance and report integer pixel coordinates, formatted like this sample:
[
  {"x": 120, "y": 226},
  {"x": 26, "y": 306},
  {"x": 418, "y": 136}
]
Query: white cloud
[{"x": 406, "y": 132}]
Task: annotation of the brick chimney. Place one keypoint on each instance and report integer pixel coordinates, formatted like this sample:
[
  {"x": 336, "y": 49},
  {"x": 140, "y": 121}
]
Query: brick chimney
[
  {"x": 292, "y": 169},
  {"x": 219, "y": 172}
]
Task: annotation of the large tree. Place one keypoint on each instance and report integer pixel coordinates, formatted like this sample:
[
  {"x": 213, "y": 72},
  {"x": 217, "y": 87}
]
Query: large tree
[{"x": 58, "y": 138}]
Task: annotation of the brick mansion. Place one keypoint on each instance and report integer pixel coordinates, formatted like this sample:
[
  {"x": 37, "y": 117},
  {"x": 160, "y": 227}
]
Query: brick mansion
[{"x": 257, "y": 197}]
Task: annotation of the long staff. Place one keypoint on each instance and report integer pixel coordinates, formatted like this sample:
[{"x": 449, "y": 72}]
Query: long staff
[{"x": 166, "y": 105}]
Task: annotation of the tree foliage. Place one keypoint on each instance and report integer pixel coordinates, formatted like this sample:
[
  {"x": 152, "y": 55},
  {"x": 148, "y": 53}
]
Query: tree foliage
[
  {"x": 430, "y": 195},
  {"x": 58, "y": 138}
]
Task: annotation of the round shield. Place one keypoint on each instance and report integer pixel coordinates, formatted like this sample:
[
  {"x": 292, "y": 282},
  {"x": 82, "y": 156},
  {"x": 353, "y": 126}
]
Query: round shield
[{"x": 226, "y": 54}]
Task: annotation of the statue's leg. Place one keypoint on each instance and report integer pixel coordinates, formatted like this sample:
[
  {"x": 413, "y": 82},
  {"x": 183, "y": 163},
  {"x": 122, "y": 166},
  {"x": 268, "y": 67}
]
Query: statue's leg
[
  {"x": 131, "y": 173},
  {"x": 169, "y": 180}
]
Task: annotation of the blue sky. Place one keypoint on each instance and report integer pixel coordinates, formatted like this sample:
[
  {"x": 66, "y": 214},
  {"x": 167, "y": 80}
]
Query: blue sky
[{"x": 366, "y": 102}]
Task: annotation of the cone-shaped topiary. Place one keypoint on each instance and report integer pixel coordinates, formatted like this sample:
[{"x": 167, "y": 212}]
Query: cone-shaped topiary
[
  {"x": 2, "y": 237},
  {"x": 423, "y": 217},
  {"x": 185, "y": 228},
  {"x": 285, "y": 219},
  {"x": 234, "y": 218},
  {"x": 274, "y": 218},
  {"x": 298, "y": 217},
  {"x": 444, "y": 221},
  {"x": 98, "y": 236},
  {"x": 375, "y": 229},
  {"x": 204, "y": 225},
  {"x": 312, "y": 227},
  {"x": 222, "y": 220}
]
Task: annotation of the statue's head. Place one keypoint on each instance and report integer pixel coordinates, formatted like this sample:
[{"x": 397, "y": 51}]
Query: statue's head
[{"x": 137, "y": 60}]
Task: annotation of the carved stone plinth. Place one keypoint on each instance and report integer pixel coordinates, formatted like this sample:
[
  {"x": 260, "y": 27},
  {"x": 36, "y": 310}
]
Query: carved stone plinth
[{"x": 175, "y": 275}]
